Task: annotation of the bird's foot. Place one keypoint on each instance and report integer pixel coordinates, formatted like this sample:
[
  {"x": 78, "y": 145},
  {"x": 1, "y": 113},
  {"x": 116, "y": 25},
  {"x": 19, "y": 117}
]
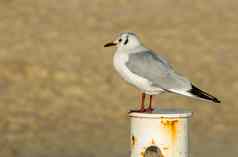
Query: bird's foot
[
  {"x": 149, "y": 109},
  {"x": 142, "y": 110}
]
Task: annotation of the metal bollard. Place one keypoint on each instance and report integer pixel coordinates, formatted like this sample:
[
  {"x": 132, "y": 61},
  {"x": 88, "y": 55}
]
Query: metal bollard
[{"x": 162, "y": 133}]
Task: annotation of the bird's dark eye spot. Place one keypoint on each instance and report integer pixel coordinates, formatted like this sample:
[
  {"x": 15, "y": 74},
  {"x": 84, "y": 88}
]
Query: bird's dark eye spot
[{"x": 119, "y": 40}]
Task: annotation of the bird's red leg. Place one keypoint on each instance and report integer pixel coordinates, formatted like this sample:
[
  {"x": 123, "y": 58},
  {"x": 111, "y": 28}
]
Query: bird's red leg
[
  {"x": 142, "y": 104},
  {"x": 150, "y": 109}
]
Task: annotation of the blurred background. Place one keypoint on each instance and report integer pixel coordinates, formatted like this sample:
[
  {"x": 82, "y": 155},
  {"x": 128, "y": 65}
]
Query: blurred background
[{"x": 60, "y": 95}]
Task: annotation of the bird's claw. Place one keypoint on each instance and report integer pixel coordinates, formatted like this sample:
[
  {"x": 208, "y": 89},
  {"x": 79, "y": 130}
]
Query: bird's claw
[
  {"x": 142, "y": 110},
  {"x": 149, "y": 109}
]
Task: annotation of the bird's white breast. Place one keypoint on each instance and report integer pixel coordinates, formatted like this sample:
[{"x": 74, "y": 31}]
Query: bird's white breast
[{"x": 119, "y": 61}]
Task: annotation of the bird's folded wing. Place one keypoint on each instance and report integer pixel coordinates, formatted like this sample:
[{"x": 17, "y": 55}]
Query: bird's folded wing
[{"x": 157, "y": 70}]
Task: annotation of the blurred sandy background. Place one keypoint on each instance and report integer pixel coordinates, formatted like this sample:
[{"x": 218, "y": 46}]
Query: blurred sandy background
[{"x": 61, "y": 97}]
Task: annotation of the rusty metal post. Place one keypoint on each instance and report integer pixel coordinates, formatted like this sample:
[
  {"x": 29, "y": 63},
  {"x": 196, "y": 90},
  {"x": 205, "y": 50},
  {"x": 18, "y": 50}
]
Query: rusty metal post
[{"x": 162, "y": 133}]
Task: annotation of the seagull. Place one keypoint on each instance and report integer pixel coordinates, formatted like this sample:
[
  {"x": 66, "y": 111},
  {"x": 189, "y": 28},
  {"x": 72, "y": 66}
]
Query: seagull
[{"x": 150, "y": 72}]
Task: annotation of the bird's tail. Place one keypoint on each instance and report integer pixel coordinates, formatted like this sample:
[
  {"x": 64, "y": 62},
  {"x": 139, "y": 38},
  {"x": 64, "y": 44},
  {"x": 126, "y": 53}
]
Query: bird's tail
[{"x": 203, "y": 95}]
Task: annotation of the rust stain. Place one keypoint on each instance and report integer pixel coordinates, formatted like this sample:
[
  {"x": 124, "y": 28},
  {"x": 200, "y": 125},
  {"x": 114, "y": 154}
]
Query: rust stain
[
  {"x": 165, "y": 148},
  {"x": 171, "y": 124},
  {"x": 133, "y": 140},
  {"x": 142, "y": 154}
]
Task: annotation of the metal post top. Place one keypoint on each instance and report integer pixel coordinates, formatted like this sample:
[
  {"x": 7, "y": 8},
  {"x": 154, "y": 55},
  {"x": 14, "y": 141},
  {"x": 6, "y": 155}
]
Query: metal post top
[{"x": 163, "y": 113}]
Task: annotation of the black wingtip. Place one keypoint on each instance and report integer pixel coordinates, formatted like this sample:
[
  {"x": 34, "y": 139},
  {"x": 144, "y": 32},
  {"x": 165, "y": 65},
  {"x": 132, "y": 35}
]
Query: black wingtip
[
  {"x": 216, "y": 100},
  {"x": 201, "y": 94}
]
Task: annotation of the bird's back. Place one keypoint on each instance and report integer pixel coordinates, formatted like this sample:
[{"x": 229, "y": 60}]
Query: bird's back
[{"x": 156, "y": 69}]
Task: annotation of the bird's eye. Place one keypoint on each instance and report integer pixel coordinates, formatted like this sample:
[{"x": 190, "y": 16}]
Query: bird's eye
[{"x": 119, "y": 40}]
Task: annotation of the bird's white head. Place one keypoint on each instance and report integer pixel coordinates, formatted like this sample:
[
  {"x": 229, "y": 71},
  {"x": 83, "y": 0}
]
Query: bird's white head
[{"x": 125, "y": 41}]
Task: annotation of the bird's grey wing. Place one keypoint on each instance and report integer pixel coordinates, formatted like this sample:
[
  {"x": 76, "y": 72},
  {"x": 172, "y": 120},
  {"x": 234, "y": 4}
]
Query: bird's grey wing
[{"x": 157, "y": 70}]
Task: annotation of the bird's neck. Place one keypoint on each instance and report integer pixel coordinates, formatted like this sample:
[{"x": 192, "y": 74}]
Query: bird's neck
[{"x": 137, "y": 49}]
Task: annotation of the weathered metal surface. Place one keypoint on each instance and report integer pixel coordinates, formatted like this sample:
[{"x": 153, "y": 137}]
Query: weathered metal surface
[{"x": 165, "y": 129}]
